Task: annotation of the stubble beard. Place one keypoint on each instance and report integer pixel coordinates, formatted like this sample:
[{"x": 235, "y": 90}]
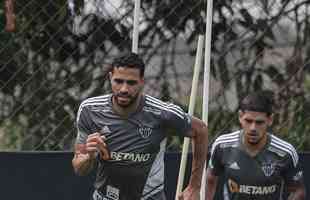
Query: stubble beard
[
  {"x": 255, "y": 141},
  {"x": 132, "y": 100}
]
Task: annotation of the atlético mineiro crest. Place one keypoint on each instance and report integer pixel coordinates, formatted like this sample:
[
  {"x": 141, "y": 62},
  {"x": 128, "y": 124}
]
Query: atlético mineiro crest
[
  {"x": 145, "y": 132},
  {"x": 268, "y": 168}
]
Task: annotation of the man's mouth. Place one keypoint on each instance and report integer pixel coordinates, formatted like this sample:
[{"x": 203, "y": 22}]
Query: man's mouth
[
  {"x": 253, "y": 135},
  {"x": 123, "y": 97}
]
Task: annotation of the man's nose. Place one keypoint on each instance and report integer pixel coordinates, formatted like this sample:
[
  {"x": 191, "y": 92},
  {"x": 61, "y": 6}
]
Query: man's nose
[
  {"x": 124, "y": 87},
  {"x": 253, "y": 126}
]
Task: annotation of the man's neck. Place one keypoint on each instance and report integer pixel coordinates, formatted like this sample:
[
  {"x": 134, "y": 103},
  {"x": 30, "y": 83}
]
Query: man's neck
[
  {"x": 254, "y": 149},
  {"x": 126, "y": 111}
]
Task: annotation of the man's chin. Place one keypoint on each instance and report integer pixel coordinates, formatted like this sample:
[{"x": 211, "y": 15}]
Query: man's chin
[
  {"x": 123, "y": 104},
  {"x": 253, "y": 142}
]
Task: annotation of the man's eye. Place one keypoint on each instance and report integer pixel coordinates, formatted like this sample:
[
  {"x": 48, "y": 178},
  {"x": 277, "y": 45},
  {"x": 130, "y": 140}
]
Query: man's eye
[
  {"x": 259, "y": 122},
  {"x": 118, "y": 81},
  {"x": 249, "y": 121},
  {"x": 131, "y": 82}
]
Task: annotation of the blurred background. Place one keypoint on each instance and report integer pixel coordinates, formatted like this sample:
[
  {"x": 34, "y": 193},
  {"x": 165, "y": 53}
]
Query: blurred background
[{"x": 60, "y": 50}]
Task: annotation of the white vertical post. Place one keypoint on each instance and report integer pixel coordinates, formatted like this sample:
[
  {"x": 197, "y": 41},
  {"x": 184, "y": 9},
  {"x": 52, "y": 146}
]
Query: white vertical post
[
  {"x": 135, "y": 37},
  {"x": 198, "y": 61},
  {"x": 206, "y": 83}
]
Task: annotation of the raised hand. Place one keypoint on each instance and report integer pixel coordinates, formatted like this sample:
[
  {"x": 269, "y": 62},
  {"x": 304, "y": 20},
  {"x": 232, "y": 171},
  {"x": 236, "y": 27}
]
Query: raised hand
[{"x": 95, "y": 143}]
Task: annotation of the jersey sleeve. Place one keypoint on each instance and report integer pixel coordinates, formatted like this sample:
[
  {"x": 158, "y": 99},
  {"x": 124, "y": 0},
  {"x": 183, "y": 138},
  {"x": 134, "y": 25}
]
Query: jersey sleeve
[
  {"x": 83, "y": 124},
  {"x": 215, "y": 163},
  {"x": 175, "y": 118},
  {"x": 293, "y": 174}
]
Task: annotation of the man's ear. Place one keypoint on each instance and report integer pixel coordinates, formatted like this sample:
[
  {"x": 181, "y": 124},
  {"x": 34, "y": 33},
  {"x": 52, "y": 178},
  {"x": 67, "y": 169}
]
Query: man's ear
[
  {"x": 270, "y": 120},
  {"x": 240, "y": 113},
  {"x": 110, "y": 75}
]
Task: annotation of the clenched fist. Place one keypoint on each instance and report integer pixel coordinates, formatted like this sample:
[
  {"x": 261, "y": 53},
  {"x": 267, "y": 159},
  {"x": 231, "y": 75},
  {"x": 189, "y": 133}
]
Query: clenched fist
[{"x": 95, "y": 143}]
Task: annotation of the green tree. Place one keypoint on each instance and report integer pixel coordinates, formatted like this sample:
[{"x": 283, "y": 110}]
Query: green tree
[{"x": 58, "y": 57}]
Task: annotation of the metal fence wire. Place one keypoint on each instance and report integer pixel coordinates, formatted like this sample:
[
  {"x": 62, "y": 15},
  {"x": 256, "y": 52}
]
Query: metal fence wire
[{"x": 57, "y": 54}]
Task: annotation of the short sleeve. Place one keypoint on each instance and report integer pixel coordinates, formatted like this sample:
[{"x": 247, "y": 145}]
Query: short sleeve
[
  {"x": 175, "y": 118},
  {"x": 84, "y": 125},
  {"x": 293, "y": 173},
  {"x": 215, "y": 163}
]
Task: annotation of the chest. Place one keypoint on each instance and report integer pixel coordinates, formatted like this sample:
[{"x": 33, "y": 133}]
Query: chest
[
  {"x": 141, "y": 132},
  {"x": 263, "y": 169}
]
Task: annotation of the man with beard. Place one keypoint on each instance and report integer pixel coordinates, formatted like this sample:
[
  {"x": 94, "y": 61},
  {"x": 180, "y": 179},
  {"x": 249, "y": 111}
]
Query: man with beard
[
  {"x": 125, "y": 134},
  {"x": 255, "y": 163}
]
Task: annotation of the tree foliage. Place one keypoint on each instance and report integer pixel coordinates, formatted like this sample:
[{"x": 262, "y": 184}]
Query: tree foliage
[{"x": 58, "y": 57}]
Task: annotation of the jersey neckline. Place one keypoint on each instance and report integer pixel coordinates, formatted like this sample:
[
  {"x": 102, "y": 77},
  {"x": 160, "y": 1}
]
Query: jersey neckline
[
  {"x": 243, "y": 148},
  {"x": 139, "y": 107}
]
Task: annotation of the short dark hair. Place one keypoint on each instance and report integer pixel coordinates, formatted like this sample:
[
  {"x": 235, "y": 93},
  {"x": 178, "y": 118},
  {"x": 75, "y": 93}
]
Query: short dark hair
[
  {"x": 130, "y": 60},
  {"x": 260, "y": 101}
]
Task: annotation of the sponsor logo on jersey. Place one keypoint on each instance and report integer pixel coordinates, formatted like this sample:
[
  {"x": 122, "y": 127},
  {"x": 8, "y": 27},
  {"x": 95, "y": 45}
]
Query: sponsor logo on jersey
[
  {"x": 250, "y": 189},
  {"x": 234, "y": 165},
  {"x": 112, "y": 193},
  {"x": 268, "y": 168},
  {"x": 136, "y": 157},
  {"x": 145, "y": 132}
]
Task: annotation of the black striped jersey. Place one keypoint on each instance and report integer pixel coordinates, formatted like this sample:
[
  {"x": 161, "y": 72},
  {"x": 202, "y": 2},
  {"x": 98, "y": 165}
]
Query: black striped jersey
[
  {"x": 136, "y": 145},
  {"x": 261, "y": 177}
]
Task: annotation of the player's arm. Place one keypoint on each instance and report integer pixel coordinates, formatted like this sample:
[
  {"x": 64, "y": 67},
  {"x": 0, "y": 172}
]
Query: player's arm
[
  {"x": 199, "y": 134},
  {"x": 88, "y": 143},
  {"x": 82, "y": 162},
  {"x": 211, "y": 184},
  {"x": 85, "y": 154},
  {"x": 214, "y": 170},
  {"x": 175, "y": 118},
  {"x": 293, "y": 177},
  {"x": 200, "y": 150}
]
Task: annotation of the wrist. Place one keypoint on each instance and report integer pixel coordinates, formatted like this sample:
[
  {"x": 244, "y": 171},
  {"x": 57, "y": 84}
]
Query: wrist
[
  {"x": 83, "y": 164},
  {"x": 91, "y": 156},
  {"x": 194, "y": 185}
]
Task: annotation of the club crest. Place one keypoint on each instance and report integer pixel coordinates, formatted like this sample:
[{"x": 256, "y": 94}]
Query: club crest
[
  {"x": 145, "y": 132},
  {"x": 268, "y": 168}
]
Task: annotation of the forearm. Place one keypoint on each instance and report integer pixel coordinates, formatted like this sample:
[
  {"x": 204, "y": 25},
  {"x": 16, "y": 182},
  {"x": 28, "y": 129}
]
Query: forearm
[
  {"x": 199, "y": 144},
  {"x": 210, "y": 193},
  {"x": 83, "y": 164},
  {"x": 210, "y": 190}
]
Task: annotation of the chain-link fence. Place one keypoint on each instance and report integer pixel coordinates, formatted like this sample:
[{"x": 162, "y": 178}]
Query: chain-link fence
[{"x": 58, "y": 54}]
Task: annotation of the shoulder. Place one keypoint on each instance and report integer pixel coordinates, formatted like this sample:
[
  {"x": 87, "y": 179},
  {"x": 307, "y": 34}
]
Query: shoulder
[
  {"x": 154, "y": 104},
  {"x": 94, "y": 101},
  {"x": 283, "y": 148},
  {"x": 226, "y": 141}
]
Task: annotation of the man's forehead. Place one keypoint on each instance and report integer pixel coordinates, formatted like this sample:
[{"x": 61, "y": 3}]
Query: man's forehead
[
  {"x": 125, "y": 71},
  {"x": 255, "y": 115}
]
